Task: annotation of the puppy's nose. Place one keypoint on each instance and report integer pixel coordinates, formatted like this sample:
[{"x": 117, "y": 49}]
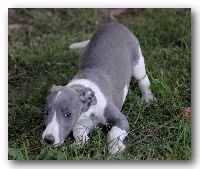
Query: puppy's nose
[{"x": 49, "y": 139}]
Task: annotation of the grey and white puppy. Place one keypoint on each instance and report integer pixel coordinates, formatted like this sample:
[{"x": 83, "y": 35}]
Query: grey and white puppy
[{"x": 98, "y": 90}]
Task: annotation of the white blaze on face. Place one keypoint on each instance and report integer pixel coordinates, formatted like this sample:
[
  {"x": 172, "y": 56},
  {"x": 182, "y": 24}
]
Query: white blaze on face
[
  {"x": 58, "y": 95},
  {"x": 53, "y": 129}
]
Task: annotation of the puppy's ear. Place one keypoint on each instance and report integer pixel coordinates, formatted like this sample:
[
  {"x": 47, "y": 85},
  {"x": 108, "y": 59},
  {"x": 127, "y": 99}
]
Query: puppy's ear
[
  {"x": 55, "y": 88},
  {"x": 88, "y": 98}
]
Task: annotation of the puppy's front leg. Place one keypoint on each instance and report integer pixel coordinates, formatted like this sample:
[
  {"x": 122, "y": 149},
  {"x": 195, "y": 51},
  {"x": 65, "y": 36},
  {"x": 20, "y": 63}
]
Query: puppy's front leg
[
  {"x": 82, "y": 129},
  {"x": 80, "y": 134},
  {"x": 119, "y": 130},
  {"x": 115, "y": 140}
]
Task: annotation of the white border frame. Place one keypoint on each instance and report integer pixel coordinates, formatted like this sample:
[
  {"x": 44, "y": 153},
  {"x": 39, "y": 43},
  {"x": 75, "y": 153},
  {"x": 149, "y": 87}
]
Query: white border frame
[{"x": 5, "y": 163}]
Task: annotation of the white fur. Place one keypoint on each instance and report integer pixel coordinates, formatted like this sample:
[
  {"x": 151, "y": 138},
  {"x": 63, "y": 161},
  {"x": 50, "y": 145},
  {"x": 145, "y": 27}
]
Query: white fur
[
  {"x": 58, "y": 95},
  {"x": 79, "y": 44},
  {"x": 115, "y": 140},
  {"x": 82, "y": 128},
  {"x": 139, "y": 73},
  {"x": 98, "y": 109},
  {"x": 93, "y": 116},
  {"x": 80, "y": 135},
  {"x": 125, "y": 92},
  {"x": 53, "y": 129}
]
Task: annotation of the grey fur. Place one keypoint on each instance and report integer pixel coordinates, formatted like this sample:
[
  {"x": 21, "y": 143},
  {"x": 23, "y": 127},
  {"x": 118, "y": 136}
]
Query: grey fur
[
  {"x": 59, "y": 106},
  {"x": 108, "y": 61},
  {"x": 110, "y": 55},
  {"x": 69, "y": 100}
]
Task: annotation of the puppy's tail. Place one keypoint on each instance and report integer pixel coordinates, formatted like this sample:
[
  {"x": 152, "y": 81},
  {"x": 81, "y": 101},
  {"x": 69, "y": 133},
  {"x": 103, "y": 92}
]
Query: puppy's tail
[{"x": 79, "y": 44}]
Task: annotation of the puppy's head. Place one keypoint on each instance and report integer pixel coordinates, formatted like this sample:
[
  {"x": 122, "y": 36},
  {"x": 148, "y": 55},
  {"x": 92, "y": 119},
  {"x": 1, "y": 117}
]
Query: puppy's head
[{"x": 63, "y": 108}]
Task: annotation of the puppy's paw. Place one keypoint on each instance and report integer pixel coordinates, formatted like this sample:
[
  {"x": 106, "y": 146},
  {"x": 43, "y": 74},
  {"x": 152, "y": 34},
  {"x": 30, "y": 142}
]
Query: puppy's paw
[
  {"x": 80, "y": 142},
  {"x": 77, "y": 144},
  {"x": 115, "y": 140},
  {"x": 116, "y": 147}
]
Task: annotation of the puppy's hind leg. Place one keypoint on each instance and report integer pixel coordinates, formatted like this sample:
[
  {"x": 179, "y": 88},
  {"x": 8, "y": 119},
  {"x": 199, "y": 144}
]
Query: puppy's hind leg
[{"x": 139, "y": 73}]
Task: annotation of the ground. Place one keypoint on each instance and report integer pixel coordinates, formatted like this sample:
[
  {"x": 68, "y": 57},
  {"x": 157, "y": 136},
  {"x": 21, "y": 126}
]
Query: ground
[{"x": 39, "y": 57}]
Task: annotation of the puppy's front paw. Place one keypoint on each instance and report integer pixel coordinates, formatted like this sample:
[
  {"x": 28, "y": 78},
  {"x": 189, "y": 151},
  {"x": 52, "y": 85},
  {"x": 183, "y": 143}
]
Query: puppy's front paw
[
  {"x": 81, "y": 141},
  {"x": 115, "y": 140},
  {"x": 116, "y": 146}
]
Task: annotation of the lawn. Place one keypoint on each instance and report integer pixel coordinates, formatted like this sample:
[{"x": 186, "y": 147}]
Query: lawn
[{"x": 39, "y": 57}]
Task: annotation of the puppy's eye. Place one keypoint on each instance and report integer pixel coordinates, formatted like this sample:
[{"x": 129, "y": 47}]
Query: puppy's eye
[
  {"x": 67, "y": 114},
  {"x": 46, "y": 112}
]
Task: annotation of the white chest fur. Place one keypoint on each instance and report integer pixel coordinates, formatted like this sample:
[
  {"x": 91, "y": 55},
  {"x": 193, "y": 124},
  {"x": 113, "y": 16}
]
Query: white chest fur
[{"x": 95, "y": 110}]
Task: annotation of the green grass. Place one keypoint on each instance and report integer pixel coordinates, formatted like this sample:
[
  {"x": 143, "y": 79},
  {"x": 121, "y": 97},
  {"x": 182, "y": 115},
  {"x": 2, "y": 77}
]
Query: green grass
[{"x": 39, "y": 57}]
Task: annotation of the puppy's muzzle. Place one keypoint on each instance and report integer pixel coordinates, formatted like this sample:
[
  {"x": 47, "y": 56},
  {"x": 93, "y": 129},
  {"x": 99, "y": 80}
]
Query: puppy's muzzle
[{"x": 49, "y": 139}]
